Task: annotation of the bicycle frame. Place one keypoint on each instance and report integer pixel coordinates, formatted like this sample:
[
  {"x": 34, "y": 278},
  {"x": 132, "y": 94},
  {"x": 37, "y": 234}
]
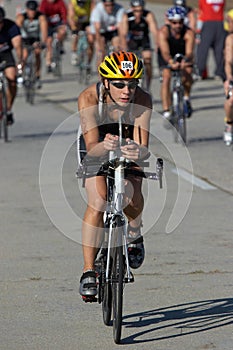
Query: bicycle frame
[
  {"x": 178, "y": 115},
  {"x": 30, "y": 75},
  {"x": 56, "y": 56},
  {"x": 82, "y": 53}
]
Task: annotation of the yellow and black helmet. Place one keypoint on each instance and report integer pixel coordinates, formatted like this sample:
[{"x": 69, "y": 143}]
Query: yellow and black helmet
[{"x": 121, "y": 65}]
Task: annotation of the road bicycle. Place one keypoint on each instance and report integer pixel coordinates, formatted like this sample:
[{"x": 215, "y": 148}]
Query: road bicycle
[
  {"x": 179, "y": 106},
  {"x": 3, "y": 101},
  {"x": 112, "y": 263},
  {"x": 82, "y": 54},
  {"x": 56, "y": 64},
  {"x": 29, "y": 75}
]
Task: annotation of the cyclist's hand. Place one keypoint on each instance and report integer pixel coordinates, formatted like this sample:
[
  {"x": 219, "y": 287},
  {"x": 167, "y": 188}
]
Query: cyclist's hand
[
  {"x": 175, "y": 65},
  {"x": 131, "y": 150},
  {"x": 111, "y": 142}
]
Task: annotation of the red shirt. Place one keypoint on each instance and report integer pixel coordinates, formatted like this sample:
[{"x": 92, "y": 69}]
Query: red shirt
[
  {"x": 212, "y": 10},
  {"x": 55, "y": 12}
]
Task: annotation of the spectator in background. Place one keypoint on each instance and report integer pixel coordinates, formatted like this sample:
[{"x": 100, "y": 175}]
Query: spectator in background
[
  {"x": 212, "y": 35},
  {"x": 228, "y": 86}
]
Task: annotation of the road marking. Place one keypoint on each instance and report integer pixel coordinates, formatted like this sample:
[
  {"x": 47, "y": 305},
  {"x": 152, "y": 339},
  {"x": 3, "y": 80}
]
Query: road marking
[{"x": 193, "y": 179}]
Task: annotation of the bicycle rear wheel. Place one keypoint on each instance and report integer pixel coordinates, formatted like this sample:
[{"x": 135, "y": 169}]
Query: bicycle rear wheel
[{"x": 117, "y": 289}]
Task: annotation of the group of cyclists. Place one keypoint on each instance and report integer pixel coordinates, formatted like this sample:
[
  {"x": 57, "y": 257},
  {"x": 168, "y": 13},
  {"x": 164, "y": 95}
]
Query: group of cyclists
[{"x": 122, "y": 44}]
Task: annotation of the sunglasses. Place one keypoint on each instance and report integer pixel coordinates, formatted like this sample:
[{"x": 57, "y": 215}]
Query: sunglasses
[
  {"x": 121, "y": 84},
  {"x": 177, "y": 22}
]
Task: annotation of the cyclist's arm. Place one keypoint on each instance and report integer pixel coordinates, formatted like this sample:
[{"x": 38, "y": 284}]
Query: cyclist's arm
[
  {"x": 189, "y": 45},
  {"x": 17, "y": 45},
  {"x": 192, "y": 19},
  {"x": 88, "y": 110},
  {"x": 164, "y": 45},
  {"x": 229, "y": 57},
  {"x": 153, "y": 27},
  {"x": 43, "y": 28},
  {"x": 19, "y": 20}
]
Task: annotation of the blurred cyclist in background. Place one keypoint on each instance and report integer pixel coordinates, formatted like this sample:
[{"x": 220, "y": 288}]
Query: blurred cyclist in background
[
  {"x": 10, "y": 38},
  {"x": 175, "y": 38},
  {"x": 34, "y": 31},
  {"x": 137, "y": 24},
  {"x": 56, "y": 15},
  {"x": 79, "y": 19},
  {"x": 106, "y": 24}
]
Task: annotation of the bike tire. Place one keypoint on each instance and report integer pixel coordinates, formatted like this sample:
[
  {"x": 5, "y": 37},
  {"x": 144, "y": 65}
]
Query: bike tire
[
  {"x": 107, "y": 303},
  {"x": 4, "y": 115},
  {"x": 56, "y": 60},
  {"x": 117, "y": 290},
  {"x": 175, "y": 115},
  {"x": 182, "y": 128}
]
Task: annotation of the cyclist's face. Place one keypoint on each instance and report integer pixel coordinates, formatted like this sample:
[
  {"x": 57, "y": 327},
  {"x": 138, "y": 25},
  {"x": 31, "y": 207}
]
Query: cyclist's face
[
  {"x": 108, "y": 6},
  {"x": 31, "y": 13},
  {"x": 138, "y": 11},
  {"x": 122, "y": 91},
  {"x": 177, "y": 25}
]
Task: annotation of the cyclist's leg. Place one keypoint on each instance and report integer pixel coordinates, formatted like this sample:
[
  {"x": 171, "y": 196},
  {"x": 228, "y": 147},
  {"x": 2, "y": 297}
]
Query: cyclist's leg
[
  {"x": 61, "y": 34},
  {"x": 134, "y": 206},
  {"x": 187, "y": 82},
  {"x": 147, "y": 59},
  {"x": 92, "y": 229},
  {"x": 93, "y": 219},
  {"x": 10, "y": 73},
  {"x": 204, "y": 46},
  {"x": 91, "y": 40},
  {"x": 49, "y": 50},
  {"x": 115, "y": 40},
  {"x": 165, "y": 89}
]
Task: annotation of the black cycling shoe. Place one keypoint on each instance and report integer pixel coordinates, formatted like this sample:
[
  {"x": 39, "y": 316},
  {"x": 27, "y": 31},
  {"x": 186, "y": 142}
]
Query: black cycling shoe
[
  {"x": 10, "y": 118},
  {"x": 88, "y": 286},
  {"x": 136, "y": 250}
]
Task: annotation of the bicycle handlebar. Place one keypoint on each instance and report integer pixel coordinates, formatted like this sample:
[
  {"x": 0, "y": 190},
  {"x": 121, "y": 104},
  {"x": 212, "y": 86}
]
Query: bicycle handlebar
[{"x": 130, "y": 168}]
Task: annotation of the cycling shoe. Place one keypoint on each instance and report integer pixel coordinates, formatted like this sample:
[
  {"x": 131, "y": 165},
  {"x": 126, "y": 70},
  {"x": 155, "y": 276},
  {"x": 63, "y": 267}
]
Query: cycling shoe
[{"x": 88, "y": 285}]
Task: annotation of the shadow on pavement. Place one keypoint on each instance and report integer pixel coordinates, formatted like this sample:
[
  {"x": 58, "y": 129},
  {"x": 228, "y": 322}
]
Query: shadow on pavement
[{"x": 179, "y": 320}]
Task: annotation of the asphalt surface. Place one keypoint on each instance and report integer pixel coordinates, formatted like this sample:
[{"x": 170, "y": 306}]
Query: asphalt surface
[{"x": 182, "y": 295}]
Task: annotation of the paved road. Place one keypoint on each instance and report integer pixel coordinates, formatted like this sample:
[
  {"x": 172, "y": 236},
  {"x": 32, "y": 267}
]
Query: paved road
[{"x": 182, "y": 295}]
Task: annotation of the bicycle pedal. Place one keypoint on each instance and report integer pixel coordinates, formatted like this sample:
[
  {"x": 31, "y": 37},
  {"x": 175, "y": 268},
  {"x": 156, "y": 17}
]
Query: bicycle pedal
[
  {"x": 130, "y": 279},
  {"x": 89, "y": 299}
]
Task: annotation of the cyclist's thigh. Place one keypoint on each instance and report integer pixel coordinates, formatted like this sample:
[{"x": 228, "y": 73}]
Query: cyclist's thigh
[
  {"x": 10, "y": 70},
  {"x": 96, "y": 192},
  {"x": 146, "y": 55},
  {"x": 115, "y": 41}
]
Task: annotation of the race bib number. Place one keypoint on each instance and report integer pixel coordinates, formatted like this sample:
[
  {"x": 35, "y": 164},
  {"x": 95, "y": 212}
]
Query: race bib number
[{"x": 125, "y": 65}]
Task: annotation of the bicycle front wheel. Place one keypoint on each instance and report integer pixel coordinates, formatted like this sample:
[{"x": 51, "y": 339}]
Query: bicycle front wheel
[
  {"x": 117, "y": 291},
  {"x": 4, "y": 124}
]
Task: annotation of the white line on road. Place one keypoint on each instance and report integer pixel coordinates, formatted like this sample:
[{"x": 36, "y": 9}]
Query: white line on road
[{"x": 193, "y": 179}]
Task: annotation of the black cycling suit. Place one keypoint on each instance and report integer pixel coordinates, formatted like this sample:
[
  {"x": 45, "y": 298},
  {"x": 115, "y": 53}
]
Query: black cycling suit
[
  {"x": 175, "y": 45},
  {"x": 30, "y": 29},
  {"x": 7, "y": 33},
  {"x": 138, "y": 33}
]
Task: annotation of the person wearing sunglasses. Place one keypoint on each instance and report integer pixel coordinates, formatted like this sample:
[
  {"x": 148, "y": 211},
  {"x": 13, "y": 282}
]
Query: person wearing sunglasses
[
  {"x": 138, "y": 22},
  {"x": 175, "y": 37},
  {"x": 106, "y": 23},
  {"x": 100, "y": 106}
]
